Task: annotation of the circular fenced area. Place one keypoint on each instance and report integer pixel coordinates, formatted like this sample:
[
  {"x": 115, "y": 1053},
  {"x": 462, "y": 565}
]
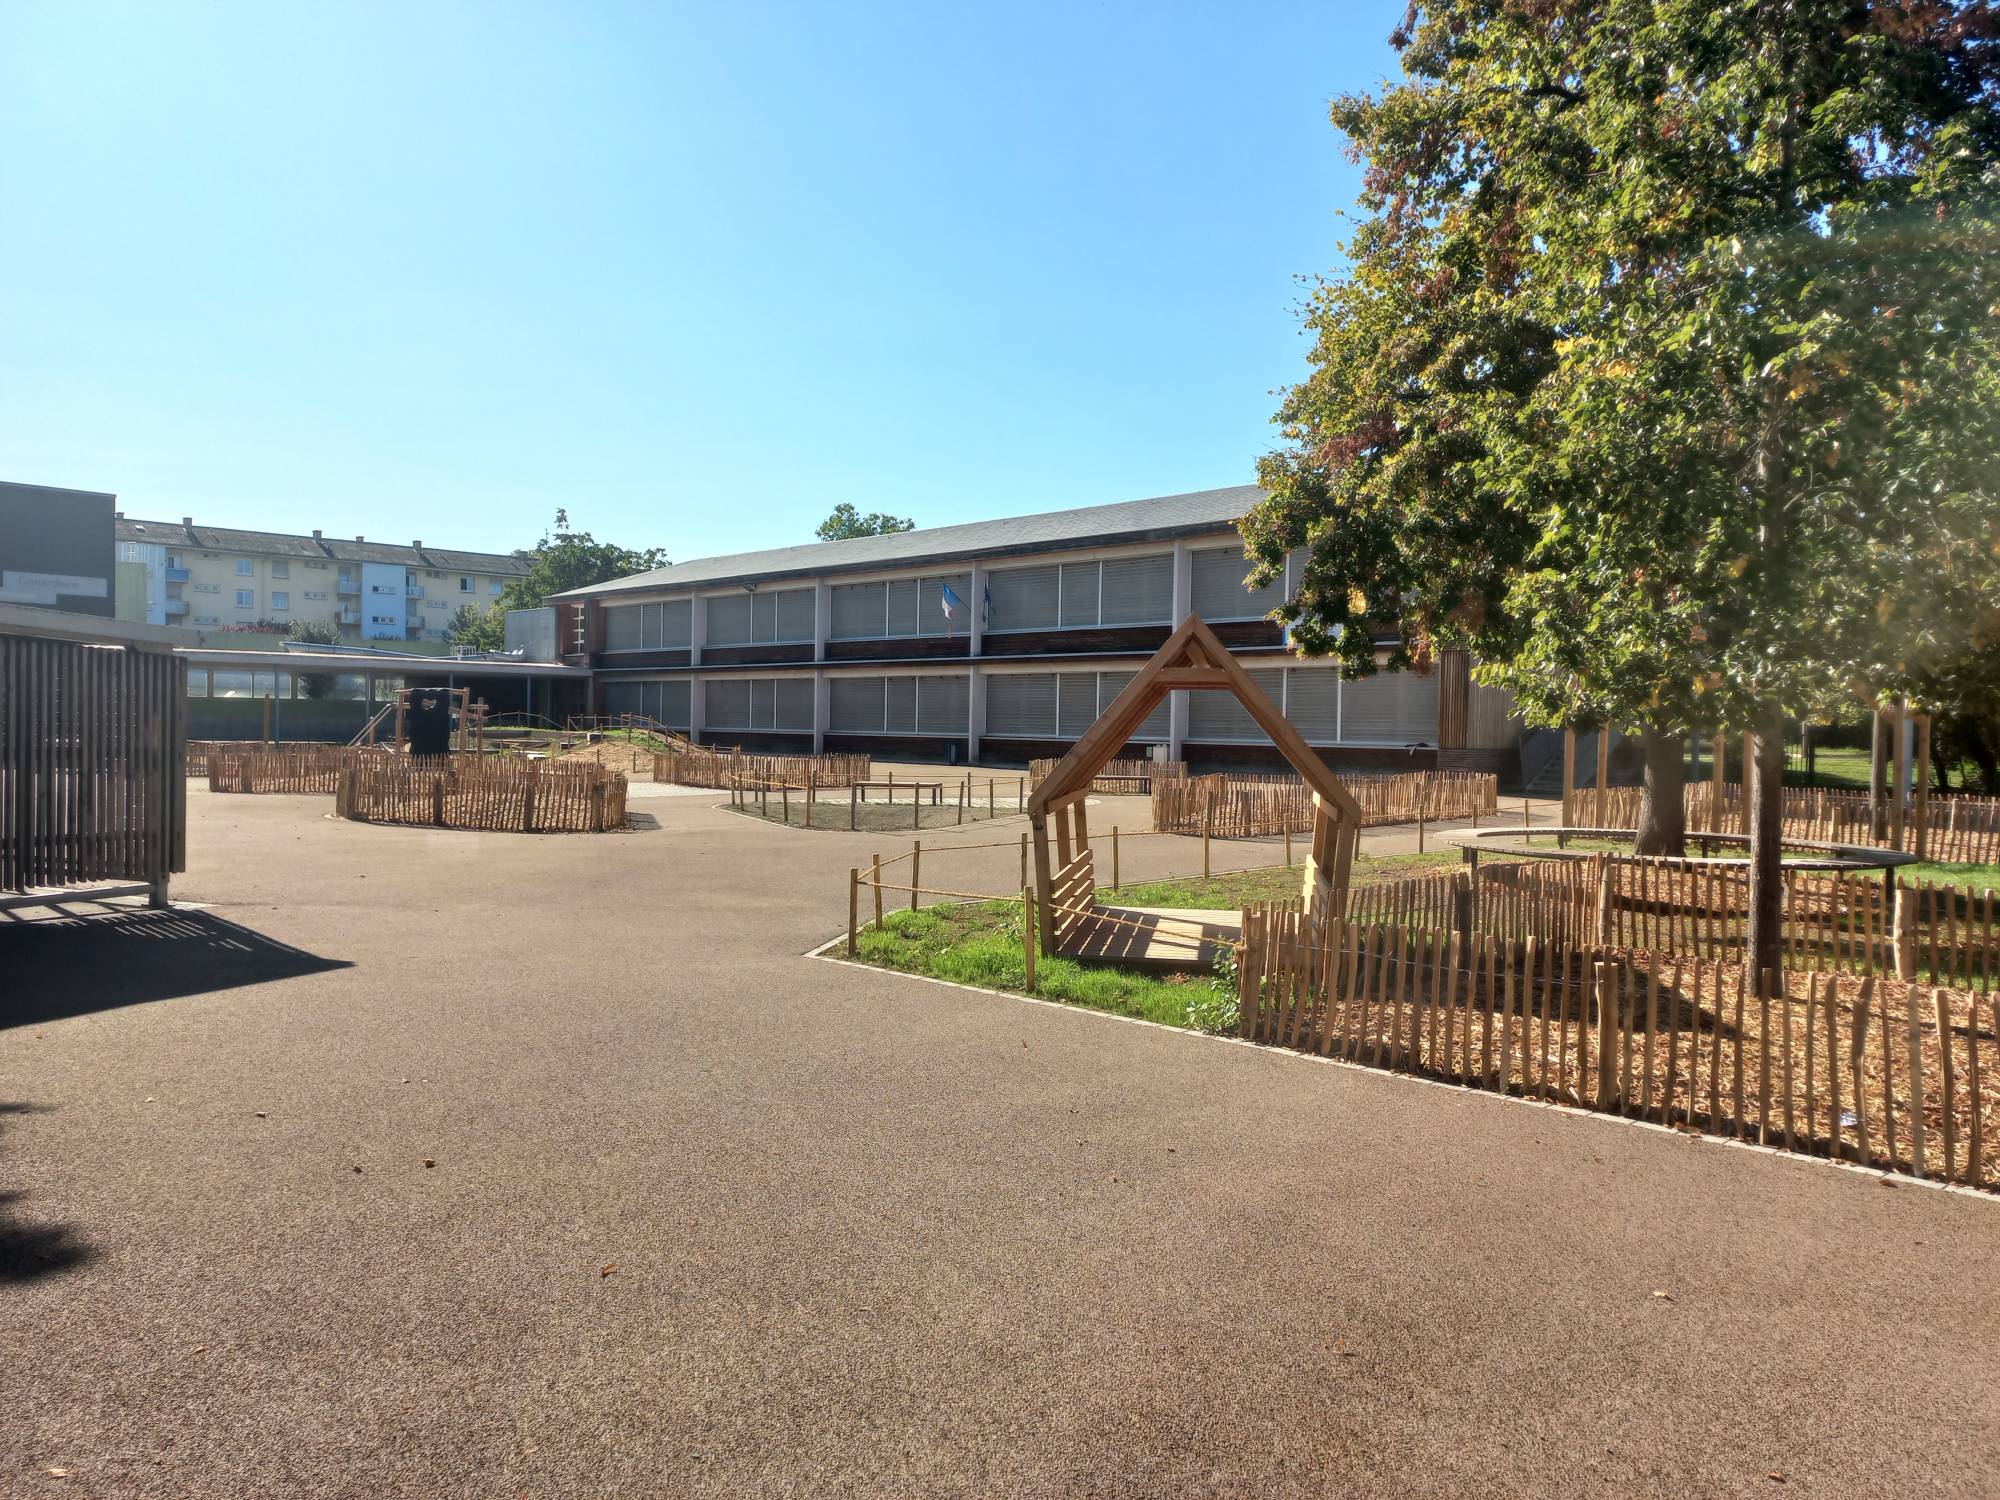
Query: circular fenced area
[
  {"x": 473, "y": 792},
  {"x": 1721, "y": 850}
]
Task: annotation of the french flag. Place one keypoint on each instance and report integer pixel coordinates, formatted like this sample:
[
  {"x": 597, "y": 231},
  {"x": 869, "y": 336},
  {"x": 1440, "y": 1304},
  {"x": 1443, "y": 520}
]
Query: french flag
[{"x": 952, "y": 605}]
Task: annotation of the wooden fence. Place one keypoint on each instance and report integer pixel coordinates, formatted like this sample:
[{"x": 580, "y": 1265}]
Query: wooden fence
[
  {"x": 284, "y": 768},
  {"x": 1951, "y": 828},
  {"x": 474, "y": 792},
  {"x": 1118, "y": 777},
  {"x": 724, "y": 770},
  {"x": 1837, "y": 922},
  {"x": 1867, "y": 1069},
  {"x": 199, "y": 751},
  {"x": 91, "y": 741},
  {"x": 1242, "y": 807}
]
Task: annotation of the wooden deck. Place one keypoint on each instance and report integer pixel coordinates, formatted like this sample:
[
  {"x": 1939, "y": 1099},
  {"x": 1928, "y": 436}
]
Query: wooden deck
[{"x": 1165, "y": 940}]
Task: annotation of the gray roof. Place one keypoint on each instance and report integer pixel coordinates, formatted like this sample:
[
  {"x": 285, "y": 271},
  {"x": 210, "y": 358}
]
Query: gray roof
[
  {"x": 1091, "y": 525},
  {"x": 289, "y": 544}
]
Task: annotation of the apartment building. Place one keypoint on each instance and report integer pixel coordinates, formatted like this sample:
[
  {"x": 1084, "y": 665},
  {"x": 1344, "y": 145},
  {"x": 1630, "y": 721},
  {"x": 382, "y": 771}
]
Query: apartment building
[
  {"x": 999, "y": 640},
  {"x": 221, "y": 577}
]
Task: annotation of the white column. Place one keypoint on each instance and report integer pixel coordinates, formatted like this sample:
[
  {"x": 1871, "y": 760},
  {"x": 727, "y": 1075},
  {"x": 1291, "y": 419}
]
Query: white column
[
  {"x": 695, "y": 705},
  {"x": 975, "y": 714},
  {"x": 1177, "y": 720},
  {"x": 976, "y": 607},
  {"x": 697, "y": 627},
  {"x": 822, "y": 618},
  {"x": 822, "y": 696},
  {"x": 1183, "y": 587}
]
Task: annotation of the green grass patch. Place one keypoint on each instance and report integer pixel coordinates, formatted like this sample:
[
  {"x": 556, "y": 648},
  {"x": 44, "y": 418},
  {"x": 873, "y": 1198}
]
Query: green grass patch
[
  {"x": 1233, "y": 891},
  {"x": 982, "y": 944},
  {"x": 1972, "y": 877}
]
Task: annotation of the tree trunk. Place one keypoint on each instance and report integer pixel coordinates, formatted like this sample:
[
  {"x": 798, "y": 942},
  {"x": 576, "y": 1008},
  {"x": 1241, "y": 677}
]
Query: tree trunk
[
  {"x": 1767, "y": 806},
  {"x": 1663, "y": 803},
  {"x": 1878, "y": 779}
]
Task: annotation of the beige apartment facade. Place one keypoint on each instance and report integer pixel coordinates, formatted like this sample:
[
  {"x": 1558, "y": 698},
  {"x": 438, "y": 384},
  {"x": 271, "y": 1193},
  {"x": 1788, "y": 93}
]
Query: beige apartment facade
[{"x": 227, "y": 578}]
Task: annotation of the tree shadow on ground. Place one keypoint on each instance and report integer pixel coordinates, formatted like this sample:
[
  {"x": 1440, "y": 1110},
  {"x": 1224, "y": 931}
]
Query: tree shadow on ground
[
  {"x": 30, "y": 1251},
  {"x": 59, "y": 965}
]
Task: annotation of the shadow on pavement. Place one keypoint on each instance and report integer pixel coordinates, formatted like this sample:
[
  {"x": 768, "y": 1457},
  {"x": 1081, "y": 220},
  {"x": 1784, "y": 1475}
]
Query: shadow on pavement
[
  {"x": 31, "y": 1251},
  {"x": 62, "y": 965}
]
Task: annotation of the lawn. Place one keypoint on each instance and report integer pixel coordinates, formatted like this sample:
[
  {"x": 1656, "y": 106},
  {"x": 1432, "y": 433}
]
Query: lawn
[{"x": 981, "y": 944}]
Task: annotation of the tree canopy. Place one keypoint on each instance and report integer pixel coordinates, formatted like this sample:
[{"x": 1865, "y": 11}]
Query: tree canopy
[
  {"x": 1662, "y": 372},
  {"x": 562, "y": 560},
  {"x": 846, "y": 522}
]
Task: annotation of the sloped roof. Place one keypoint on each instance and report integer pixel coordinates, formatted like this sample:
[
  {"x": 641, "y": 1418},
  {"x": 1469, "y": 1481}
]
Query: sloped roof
[
  {"x": 290, "y": 544},
  {"x": 1126, "y": 521}
]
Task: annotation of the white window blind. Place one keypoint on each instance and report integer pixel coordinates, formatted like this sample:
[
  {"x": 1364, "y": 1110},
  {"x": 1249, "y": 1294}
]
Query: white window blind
[
  {"x": 728, "y": 619},
  {"x": 854, "y": 705},
  {"x": 858, "y": 612},
  {"x": 1312, "y": 703},
  {"x": 900, "y": 711},
  {"x": 943, "y": 704},
  {"x": 726, "y": 703},
  {"x": 795, "y": 615},
  {"x": 676, "y": 624},
  {"x": 1021, "y": 704},
  {"x": 793, "y": 708},
  {"x": 671, "y": 707},
  {"x": 1024, "y": 598},
  {"x": 930, "y": 608},
  {"x": 1076, "y": 703},
  {"x": 1079, "y": 594},
  {"x": 621, "y": 633},
  {"x": 1138, "y": 590},
  {"x": 1218, "y": 592},
  {"x": 1214, "y": 715},
  {"x": 1110, "y": 685}
]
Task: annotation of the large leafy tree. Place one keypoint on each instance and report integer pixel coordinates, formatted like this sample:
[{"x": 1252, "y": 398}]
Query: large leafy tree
[
  {"x": 847, "y": 522},
  {"x": 1661, "y": 375},
  {"x": 563, "y": 559}
]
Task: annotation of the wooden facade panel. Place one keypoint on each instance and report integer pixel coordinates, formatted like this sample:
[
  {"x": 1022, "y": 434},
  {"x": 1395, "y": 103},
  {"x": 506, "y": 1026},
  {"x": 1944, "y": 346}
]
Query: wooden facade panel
[
  {"x": 1108, "y": 640},
  {"x": 769, "y": 655},
  {"x": 651, "y": 660}
]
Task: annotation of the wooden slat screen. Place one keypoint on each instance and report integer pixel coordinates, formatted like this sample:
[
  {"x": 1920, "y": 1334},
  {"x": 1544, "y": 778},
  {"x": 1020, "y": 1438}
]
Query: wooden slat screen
[{"x": 92, "y": 746}]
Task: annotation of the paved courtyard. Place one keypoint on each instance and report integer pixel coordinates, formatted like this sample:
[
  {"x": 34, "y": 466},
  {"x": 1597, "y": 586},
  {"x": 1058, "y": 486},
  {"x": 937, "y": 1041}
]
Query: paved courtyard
[{"x": 418, "y": 1163}]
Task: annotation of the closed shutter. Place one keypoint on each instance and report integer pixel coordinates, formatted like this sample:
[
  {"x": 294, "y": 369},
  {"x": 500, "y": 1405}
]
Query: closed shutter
[
  {"x": 857, "y": 611},
  {"x": 943, "y": 704},
  {"x": 1390, "y": 708},
  {"x": 621, "y": 632},
  {"x": 1023, "y": 598},
  {"x": 760, "y": 703},
  {"x": 649, "y": 700},
  {"x": 729, "y": 620},
  {"x": 903, "y": 606},
  {"x": 1218, "y": 591},
  {"x": 902, "y": 709},
  {"x": 795, "y": 615},
  {"x": 1021, "y": 705},
  {"x": 794, "y": 707},
  {"x": 674, "y": 704},
  {"x": 1139, "y": 590},
  {"x": 1079, "y": 594},
  {"x": 1076, "y": 703},
  {"x": 1218, "y": 716},
  {"x": 1154, "y": 730},
  {"x": 763, "y": 618},
  {"x": 930, "y": 609},
  {"x": 854, "y": 705},
  {"x": 726, "y": 703},
  {"x": 1312, "y": 703},
  {"x": 622, "y": 698},
  {"x": 676, "y": 617}
]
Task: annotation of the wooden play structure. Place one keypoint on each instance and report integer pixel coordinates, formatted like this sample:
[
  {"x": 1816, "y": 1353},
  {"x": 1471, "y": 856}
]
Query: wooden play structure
[{"x": 1064, "y": 878}]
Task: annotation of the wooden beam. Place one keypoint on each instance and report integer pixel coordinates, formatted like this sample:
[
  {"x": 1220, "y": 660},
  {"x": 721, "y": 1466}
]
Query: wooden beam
[{"x": 1193, "y": 677}]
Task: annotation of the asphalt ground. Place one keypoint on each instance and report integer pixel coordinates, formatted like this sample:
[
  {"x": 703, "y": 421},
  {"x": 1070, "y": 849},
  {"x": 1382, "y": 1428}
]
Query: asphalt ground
[{"x": 408, "y": 1162}]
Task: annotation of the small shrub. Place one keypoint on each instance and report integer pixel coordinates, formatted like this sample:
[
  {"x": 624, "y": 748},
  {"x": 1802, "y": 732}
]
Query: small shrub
[{"x": 1212, "y": 1008}]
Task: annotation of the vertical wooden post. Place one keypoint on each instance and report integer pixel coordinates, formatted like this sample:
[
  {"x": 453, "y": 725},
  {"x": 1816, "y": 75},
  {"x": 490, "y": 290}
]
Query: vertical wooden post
[
  {"x": 1114, "y": 857},
  {"x": 1569, "y": 774},
  {"x": 1024, "y": 859},
  {"x": 1603, "y": 803},
  {"x": 1923, "y": 788},
  {"x": 1288, "y": 844},
  {"x": 1897, "y": 794},
  {"x": 1717, "y": 762},
  {"x": 1207, "y": 823},
  {"x": 853, "y": 910},
  {"x": 1028, "y": 943},
  {"x": 853, "y": 792},
  {"x": 875, "y": 879},
  {"x": 1903, "y": 920},
  {"x": 916, "y": 858},
  {"x": 1605, "y": 977}
]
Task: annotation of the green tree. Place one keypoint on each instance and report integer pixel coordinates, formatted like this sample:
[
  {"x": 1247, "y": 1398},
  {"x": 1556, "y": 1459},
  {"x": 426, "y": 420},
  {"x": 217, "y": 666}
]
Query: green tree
[
  {"x": 1661, "y": 375},
  {"x": 846, "y": 522},
  {"x": 318, "y": 633},
  {"x": 562, "y": 560}
]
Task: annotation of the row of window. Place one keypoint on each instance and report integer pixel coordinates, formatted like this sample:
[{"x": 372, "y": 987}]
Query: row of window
[
  {"x": 351, "y": 686},
  {"x": 1389, "y": 709},
  {"x": 1041, "y": 596}
]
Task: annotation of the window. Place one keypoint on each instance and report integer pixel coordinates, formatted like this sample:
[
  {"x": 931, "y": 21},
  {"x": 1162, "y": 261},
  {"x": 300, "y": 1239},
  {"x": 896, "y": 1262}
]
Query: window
[
  {"x": 931, "y": 704},
  {"x": 621, "y": 633},
  {"x": 316, "y": 593},
  {"x": 281, "y": 569},
  {"x": 197, "y": 682},
  {"x": 245, "y": 568},
  {"x": 246, "y": 598},
  {"x": 1218, "y": 716},
  {"x": 762, "y": 618},
  {"x": 1218, "y": 592},
  {"x": 233, "y": 684},
  {"x": 895, "y": 609},
  {"x": 281, "y": 599},
  {"x": 1021, "y": 705},
  {"x": 465, "y": 585},
  {"x": 493, "y": 588},
  {"x": 1083, "y": 595}
]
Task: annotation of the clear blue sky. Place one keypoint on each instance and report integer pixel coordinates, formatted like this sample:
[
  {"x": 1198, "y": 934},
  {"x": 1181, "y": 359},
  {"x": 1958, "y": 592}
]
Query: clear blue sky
[{"x": 695, "y": 272}]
